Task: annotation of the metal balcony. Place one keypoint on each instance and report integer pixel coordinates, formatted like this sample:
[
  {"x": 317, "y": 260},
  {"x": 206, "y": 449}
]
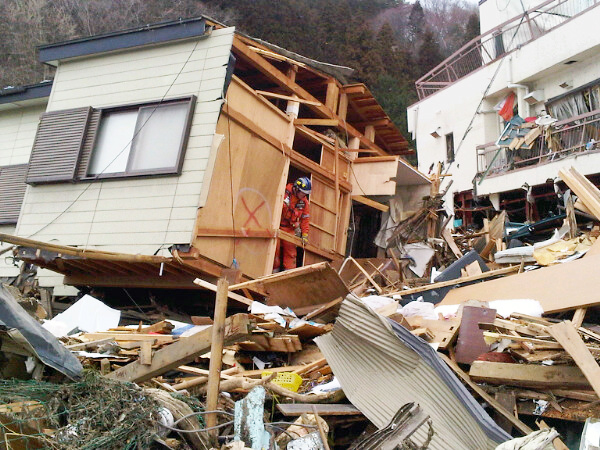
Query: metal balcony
[
  {"x": 498, "y": 42},
  {"x": 577, "y": 135}
]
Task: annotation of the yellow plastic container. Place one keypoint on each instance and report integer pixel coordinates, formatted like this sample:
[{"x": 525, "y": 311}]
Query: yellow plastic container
[{"x": 288, "y": 380}]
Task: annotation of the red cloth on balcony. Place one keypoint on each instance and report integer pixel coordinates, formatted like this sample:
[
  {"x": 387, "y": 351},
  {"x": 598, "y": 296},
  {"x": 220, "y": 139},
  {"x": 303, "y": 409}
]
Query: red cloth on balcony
[{"x": 506, "y": 110}]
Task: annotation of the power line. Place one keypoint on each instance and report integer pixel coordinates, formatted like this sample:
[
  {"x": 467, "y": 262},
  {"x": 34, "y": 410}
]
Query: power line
[
  {"x": 90, "y": 182},
  {"x": 486, "y": 91}
]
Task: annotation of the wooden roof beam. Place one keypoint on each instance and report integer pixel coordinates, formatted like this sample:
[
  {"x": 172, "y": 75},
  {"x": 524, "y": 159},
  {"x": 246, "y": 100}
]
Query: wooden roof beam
[
  {"x": 283, "y": 80},
  {"x": 278, "y": 77}
]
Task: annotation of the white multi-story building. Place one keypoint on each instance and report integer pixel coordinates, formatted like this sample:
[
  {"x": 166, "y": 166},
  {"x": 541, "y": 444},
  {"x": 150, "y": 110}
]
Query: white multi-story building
[{"x": 545, "y": 56}]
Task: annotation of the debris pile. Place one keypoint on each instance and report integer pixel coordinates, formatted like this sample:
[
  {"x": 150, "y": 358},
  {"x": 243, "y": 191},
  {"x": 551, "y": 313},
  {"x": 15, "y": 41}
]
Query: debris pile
[{"x": 487, "y": 344}]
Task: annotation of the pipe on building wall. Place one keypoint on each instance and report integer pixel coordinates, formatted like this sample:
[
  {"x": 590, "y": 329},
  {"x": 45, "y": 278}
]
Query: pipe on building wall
[{"x": 522, "y": 106}]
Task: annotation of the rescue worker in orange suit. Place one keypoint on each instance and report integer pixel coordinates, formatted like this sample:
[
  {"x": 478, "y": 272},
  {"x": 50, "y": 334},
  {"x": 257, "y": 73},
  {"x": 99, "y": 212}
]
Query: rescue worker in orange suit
[{"x": 295, "y": 219}]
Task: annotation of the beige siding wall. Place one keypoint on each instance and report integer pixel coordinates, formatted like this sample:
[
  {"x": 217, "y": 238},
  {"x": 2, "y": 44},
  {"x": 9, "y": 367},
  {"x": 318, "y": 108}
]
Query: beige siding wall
[
  {"x": 134, "y": 215},
  {"x": 17, "y": 132}
]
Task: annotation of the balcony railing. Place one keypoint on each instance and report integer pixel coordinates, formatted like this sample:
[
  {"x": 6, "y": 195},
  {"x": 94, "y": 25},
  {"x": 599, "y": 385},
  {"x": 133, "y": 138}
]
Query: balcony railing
[
  {"x": 497, "y": 42},
  {"x": 569, "y": 137}
]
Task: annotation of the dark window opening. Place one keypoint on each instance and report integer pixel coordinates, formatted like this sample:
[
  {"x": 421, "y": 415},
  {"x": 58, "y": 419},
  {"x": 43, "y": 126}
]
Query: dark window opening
[
  {"x": 450, "y": 147},
  {"x": 307, "y": 147},
  {"x": 364, "y": 226}
]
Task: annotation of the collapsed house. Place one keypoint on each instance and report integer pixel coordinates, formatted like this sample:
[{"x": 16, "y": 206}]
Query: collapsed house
[
  {"x": 166, "y": 150},
  {"x": 510, "y": 108}
]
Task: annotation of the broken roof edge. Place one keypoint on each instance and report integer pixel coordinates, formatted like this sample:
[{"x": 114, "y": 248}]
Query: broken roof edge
[
  {"x": 11, "y": 94},
  {"x": 124, "y": 39},
  {"x": 342, "y": 73}
]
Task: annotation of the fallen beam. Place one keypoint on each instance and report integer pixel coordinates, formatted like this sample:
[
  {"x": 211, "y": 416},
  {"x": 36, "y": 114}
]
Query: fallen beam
[
  {"x": 237, "y": 328},
  {"x": 528, "y": 375}
]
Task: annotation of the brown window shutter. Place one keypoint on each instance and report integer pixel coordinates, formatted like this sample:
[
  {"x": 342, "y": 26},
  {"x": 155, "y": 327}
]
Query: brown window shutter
[
  {"x": 57, "y": 145},
  {"x": 12, "y": 191},
  {"x": 88, "y": 143}
]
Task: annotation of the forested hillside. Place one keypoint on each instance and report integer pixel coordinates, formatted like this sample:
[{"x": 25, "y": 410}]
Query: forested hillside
[{"x": 390, "y": 43}]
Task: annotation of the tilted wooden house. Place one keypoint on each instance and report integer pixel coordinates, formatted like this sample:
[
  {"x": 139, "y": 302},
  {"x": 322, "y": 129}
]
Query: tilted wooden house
[{"x": 164, "y": 152}]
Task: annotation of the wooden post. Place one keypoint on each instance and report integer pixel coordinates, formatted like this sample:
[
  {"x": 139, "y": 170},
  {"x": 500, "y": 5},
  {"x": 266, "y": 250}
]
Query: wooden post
[
  {"x": 320, "y": 427},
  {"x": 336, "y": 169},
  {"x": 370, "y": 133},
  {"x": 216, "y": 355}
]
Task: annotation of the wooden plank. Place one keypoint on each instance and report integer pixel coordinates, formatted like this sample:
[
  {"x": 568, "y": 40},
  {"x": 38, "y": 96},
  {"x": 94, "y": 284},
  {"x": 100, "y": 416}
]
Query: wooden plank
[
  {"x": 287, "y": 97},
  {"x": 231, "y": 295},
  {"x": 483, "y": 276},
  {"x": 509, "y": 415},
  {"x": 578, "y": 317},
  {"x": 88, "y": 344},
  {"x": 372, "y": 203},
  {"x": 557, "y": 288},
  {"x": 367, "y": 275},
  {"x": 322, "y": 309},
  {"x": 528, "y": 375},
  {"x": 146, "y": 353},
  {"x": 509, "y": 401},
  {"x": 585, "y": 190},
  {"x": 317, "y": 122},
  {"x": 322, "y": 432},
  {"x": 444, "y": 331},
  {"x": 375, "y": 177},
  {"x": 473, "y": 269},
  {"x": 279, "y": 276},
  {"x": 541, "y": 342},
  {"x": 163, "y": 326},
  {"x": 303, "y": 286},
  {"x": 451, "y": 243},
  {"x": 116, "y": 336},
  {"x": 566, "y": 334},
  {"x": 216, "y": 354},
  {"x": 237, "y": 328},
  {"x": 297, "y": 409}
]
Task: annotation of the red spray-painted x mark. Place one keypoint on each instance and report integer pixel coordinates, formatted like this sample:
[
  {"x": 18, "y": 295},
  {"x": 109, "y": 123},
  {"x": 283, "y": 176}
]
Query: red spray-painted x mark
[{"x": 252, "y": 214}]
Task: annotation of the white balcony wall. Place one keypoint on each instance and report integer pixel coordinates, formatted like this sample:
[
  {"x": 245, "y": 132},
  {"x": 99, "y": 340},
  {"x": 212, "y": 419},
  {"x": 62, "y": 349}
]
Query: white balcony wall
[{"x": 537, "y": 65}]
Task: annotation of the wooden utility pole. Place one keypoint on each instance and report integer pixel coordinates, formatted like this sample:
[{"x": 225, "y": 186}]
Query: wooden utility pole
[{"x": 216, "y": 355}]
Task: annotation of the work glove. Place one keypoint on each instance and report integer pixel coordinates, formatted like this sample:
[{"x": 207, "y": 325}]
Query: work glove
[
  {"x": 304, "y": 238},
  {"x": 298, "y": 231}
]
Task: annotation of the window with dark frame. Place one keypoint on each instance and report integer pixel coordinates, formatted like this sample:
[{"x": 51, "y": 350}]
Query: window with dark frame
[
  {"x": 450, "y": 147},
  {"x": 85, "y": 144},
  {"x": 140, "y": 140}
]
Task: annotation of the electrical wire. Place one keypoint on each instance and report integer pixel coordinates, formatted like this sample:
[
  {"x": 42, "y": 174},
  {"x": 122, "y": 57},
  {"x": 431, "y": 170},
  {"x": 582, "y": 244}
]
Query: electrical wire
[
  {"x": 160, "y": 102},
  {"x": 196, "y": 430},
  {"x": 291, "y": 423},
  {"x": 135, "y": 303},
  {"x": 231, "y": 183},
  {"x": 286, "y": 432},
  {"x": 487, "y": 89},
  {"x": 200, "y": 413}
]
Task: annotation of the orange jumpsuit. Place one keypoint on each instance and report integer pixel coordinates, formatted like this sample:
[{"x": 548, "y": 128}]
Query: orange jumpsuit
[{"x": 295, "y": 213}]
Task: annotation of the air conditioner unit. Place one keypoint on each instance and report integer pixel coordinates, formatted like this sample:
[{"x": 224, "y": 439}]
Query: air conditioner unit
[{"x": 534, "y": 97}]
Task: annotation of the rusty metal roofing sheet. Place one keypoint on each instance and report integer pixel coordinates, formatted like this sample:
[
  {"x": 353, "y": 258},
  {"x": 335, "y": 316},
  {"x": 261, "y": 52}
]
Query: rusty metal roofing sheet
[{"x": 382, "y": 366}]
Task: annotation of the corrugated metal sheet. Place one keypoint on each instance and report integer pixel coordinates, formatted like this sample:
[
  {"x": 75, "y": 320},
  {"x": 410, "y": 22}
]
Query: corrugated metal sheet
[
  {"x": 12, "y": 191},
  {"x": 57, "y": 145},
  {"x": 381, "y": 367}
]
